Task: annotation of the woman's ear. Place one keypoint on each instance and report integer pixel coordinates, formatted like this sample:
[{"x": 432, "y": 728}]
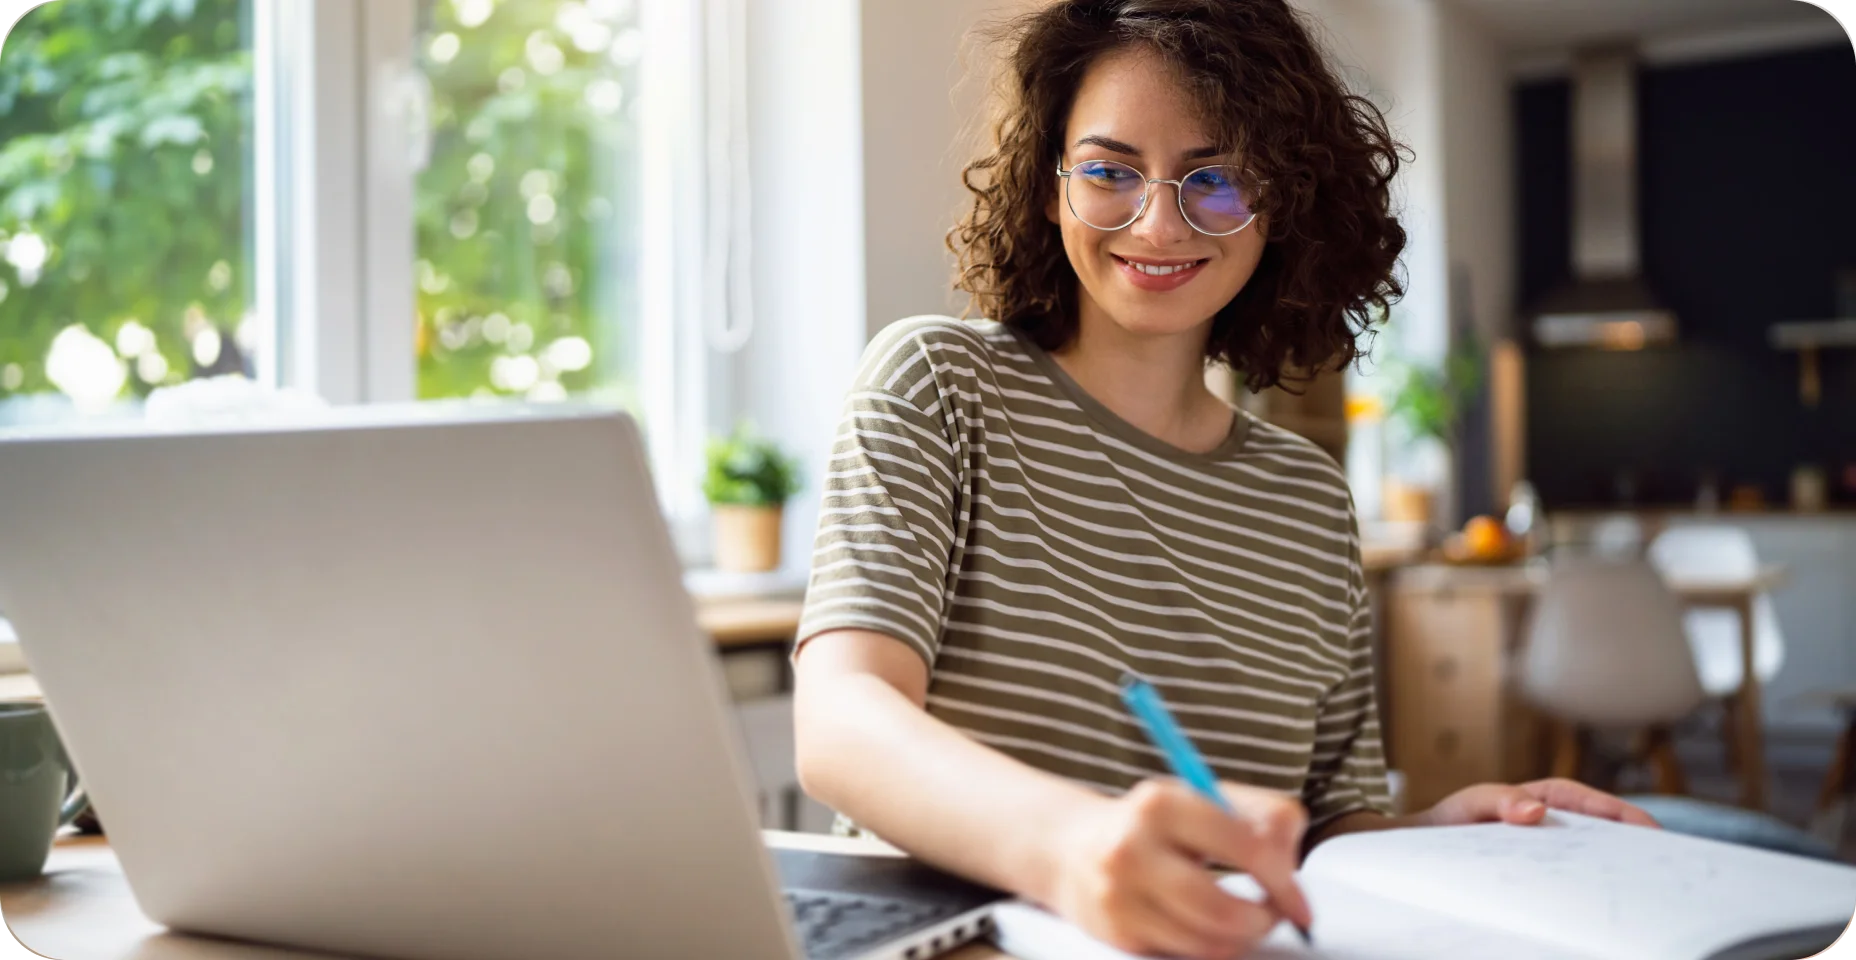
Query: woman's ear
[{"x": 1052, "y": 211}]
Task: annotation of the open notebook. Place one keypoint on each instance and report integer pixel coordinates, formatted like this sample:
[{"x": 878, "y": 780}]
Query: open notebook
[{"x": 1573, "y": 888}]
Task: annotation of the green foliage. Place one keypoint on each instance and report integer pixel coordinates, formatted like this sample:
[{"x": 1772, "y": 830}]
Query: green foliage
[
  {"x": 125, "y": 145},
  {"x": 1430, "y": 401},
  {"x": 124, "y": 132},
  {"x": 510, "y": 140},
  {"x": 747, "y": 470}
]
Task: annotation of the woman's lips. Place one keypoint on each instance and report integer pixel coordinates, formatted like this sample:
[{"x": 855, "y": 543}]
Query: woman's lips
[{"x": 1158, "y": 284}]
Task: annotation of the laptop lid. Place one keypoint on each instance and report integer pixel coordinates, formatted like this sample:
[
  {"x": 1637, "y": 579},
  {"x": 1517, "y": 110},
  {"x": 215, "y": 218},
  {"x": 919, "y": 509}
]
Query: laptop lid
[{"x": 374, "y": 683}]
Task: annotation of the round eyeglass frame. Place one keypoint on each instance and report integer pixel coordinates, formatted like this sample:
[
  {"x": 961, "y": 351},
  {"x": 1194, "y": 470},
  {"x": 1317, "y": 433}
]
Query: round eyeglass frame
[{"x": 1147, "y": 191}]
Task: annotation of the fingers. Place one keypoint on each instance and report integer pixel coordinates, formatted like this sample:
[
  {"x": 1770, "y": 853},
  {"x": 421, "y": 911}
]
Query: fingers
[
  {"x": 1262, "y": 836},
  {"x": 1576, "y": 797},
  {"x": 1278, "y": 823},
  {"x": 1517, "y": 806},
  {"x": 1636, "y": 816},
  {"x": 1147, "y": 929},
  {"x": 1279, "y": 820},
  {"x": 1193, "y": 899}
]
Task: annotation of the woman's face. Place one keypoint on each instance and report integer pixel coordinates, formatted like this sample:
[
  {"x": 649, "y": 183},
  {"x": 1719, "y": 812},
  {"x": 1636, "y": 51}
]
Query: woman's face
[{"x": 1131, "y": 110}]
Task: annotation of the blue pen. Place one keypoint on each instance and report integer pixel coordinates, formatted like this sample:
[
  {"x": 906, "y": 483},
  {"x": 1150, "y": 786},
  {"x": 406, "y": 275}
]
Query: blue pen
[{"x": 1181, "y": 756}]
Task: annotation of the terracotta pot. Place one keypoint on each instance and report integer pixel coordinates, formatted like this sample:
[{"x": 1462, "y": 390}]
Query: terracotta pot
[
  {"x": 747, "y": 539},
  {"x": 1408, "y": 503}
]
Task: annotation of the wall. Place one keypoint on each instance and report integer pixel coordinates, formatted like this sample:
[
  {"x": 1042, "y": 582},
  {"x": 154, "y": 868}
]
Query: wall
[
  {"x": 924, "y": 101},
  {"x": 1479, "y": 225},
  {"x": 862, "y": 114},
  {"x": 1390, "y": 52},
  {"x": 1747, "y": 200},
  {"x": 806, "y": 129},
  {"x": 1441, "y": 78}
]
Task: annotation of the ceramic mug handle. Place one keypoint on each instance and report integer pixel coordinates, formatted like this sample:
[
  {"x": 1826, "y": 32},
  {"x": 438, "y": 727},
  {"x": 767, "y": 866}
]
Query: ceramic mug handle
[{"x": 75, "y": 804}]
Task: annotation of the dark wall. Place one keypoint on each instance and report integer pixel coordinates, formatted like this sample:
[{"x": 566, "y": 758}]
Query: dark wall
[{"x": 1749, "y": 212}]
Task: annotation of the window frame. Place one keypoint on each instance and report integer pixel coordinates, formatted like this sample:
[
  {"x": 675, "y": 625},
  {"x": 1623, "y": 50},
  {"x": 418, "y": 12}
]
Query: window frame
[{"x": 341, "y": 114}]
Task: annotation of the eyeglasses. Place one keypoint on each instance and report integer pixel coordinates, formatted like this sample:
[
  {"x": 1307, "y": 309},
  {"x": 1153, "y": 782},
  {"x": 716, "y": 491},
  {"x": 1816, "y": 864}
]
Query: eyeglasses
[{"x": 1109, "y": 196}]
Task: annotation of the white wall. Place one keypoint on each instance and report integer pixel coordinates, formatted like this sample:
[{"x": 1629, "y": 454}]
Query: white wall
[
  {"x": 806, "y": 129},
  {"x": 1478, "y": 143},
  {"x": 925, "y": 91},
  {"x": 1388, "y": 51},
  {"x": 862, "y": 113}
]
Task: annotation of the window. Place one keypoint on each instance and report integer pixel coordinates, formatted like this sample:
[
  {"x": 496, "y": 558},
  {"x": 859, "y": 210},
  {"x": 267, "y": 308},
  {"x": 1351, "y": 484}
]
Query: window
[
  {"x": 370, "y": 200},
  {"x": 529, "y": 206},
  {"x": 125, "y": 204}
]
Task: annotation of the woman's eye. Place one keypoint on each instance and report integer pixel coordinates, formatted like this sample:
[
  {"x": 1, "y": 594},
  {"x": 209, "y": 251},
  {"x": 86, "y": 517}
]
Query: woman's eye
[{"x": 1105, "y": 174}]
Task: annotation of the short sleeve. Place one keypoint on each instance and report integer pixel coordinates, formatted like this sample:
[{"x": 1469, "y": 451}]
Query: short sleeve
[
  {"x": 1347, "y": 773},
  {"x": 887, "y": 525}
]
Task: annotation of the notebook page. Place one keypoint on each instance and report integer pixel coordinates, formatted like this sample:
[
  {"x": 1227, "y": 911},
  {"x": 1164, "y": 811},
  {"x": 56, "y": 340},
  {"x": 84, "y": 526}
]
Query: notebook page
[
  {"x": 1596, "y": 887},
  {"x": 1349, "y": 925}
]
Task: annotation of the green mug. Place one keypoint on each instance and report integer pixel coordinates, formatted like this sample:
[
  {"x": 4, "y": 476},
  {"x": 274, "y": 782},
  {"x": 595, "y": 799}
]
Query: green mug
[{"x": 38, "y": 790}]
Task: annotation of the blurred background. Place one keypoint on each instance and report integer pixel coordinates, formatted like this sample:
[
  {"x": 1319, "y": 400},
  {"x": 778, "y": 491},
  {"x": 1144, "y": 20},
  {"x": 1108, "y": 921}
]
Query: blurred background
[{"x": 1630, "y": 335}]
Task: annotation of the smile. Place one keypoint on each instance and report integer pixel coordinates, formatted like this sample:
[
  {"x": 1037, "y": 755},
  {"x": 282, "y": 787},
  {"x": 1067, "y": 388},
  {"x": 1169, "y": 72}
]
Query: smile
[{"x": 1159, "y": 277}]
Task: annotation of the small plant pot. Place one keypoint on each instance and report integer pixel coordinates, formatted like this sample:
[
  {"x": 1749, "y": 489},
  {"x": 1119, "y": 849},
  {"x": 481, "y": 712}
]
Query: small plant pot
[
  {"x": 747, "y": 539},
  {"x": 1409, "y": 503}
]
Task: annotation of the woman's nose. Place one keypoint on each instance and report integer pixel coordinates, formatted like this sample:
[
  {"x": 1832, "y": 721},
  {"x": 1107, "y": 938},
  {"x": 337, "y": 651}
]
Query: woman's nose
[{"x": 1161, "y": 223}]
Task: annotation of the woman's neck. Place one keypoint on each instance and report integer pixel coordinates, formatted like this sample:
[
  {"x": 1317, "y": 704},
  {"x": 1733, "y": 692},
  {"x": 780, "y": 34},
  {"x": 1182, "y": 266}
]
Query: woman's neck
[{"x": 1156, "y": 382}]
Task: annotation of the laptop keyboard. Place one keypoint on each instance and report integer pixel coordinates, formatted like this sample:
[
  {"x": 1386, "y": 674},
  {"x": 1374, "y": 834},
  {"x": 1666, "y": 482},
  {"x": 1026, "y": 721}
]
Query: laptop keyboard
[{"x": 833, "y": 925}]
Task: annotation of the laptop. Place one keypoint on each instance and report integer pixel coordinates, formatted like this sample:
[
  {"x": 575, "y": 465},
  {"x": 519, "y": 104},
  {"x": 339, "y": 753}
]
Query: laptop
[{"x": 381, "y": 682}]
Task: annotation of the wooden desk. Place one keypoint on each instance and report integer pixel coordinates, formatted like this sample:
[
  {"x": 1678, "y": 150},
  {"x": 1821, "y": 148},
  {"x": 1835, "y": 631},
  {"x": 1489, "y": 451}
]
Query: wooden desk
[
  {"x": 82, "y": 910},
  {"x": 1449, "y": 634},
  {"x": 749, "y": 622},
  {"x": 18, "y": 686}
]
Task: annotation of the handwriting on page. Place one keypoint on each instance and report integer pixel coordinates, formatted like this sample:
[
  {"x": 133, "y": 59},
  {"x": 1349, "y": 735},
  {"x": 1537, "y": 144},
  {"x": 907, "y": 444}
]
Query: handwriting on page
[
  {"x": 1601, "y": 872},
  {"x": 1634, "y": 892}
]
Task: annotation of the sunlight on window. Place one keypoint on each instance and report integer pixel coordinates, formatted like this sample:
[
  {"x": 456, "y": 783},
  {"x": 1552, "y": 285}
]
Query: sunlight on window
[
  {"x": 125, "y": 181},
  {"x": 528, "y": 210}
]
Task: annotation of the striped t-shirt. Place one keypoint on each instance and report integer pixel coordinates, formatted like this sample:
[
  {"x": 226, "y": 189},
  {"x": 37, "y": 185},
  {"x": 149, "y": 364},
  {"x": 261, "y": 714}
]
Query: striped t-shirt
[{"x": 1033, "y": 548}]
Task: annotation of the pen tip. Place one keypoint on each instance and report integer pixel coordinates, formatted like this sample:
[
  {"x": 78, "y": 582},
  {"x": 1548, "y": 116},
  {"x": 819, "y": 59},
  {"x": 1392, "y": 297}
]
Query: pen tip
[{"x": 1307, "y": 937}]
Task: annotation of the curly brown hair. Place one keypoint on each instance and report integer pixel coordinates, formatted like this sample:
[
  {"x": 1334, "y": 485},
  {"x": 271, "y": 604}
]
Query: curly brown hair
[{"x": 1269, "y": 96}]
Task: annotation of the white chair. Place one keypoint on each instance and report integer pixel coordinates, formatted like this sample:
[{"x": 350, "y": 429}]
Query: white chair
[
  {"x": 1711, "y": 552},
  {"x": 1618, "y": 536},
  {"x": 1605, "y": 651}
]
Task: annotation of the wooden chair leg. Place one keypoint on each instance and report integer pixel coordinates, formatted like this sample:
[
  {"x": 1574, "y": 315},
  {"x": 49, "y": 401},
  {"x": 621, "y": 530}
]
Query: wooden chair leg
[
  {"x": 1730, "y": 733},
  {"x": 1662, "y": 752},
  {"x": 1568, "y": 751},
  {"x": 1840, "y": 779}
]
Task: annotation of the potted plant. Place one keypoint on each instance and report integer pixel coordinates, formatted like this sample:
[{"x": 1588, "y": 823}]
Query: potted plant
[
  {"x": 747, "y": 483},
  {"x": 1428, "y": 404}
]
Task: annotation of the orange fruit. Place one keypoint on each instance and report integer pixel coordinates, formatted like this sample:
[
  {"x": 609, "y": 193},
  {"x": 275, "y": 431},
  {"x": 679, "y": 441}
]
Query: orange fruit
[{"x": 1486, "y": 538}]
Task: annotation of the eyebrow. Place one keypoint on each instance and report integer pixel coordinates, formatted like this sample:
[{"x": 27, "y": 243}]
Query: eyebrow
[{"x": 1117, "y": 146}]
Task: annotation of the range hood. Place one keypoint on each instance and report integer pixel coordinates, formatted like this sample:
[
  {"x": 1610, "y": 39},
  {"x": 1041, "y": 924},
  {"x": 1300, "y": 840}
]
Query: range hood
[{"x": 1607, "y": 304}]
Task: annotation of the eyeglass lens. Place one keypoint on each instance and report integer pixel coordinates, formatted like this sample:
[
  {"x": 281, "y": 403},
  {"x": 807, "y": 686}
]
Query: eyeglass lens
[{"x": 1107, "y": 195}]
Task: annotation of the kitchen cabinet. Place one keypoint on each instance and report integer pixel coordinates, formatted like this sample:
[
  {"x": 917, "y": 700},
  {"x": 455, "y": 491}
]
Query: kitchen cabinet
[{"x": 1450, "y": 714}]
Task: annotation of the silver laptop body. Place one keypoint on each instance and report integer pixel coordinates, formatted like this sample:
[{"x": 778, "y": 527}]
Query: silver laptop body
[{"x": 380, "y": 684}]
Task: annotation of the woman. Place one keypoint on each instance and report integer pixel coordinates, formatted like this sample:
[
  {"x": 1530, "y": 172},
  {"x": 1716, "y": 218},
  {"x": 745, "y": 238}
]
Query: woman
[{"x": 1020, "y": 511}]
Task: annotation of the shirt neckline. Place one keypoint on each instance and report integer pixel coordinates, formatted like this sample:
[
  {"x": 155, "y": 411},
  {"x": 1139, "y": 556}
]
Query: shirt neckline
[{"x": 1112, "y": 422}]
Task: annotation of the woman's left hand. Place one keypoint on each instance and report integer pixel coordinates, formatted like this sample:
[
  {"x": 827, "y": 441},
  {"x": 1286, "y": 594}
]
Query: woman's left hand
[{"x": 1526, "y": 804}]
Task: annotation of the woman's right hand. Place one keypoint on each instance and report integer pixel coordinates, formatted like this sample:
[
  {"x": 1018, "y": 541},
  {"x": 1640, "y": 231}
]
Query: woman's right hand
[{"x": 1132, "y": 870}]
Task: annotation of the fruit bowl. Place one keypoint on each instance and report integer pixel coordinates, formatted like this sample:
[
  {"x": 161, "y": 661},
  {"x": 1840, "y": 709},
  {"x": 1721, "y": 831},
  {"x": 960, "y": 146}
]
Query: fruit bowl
[
  {"x": 1457, "y": 553},
  {"x": 1483, "y": 542}
]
